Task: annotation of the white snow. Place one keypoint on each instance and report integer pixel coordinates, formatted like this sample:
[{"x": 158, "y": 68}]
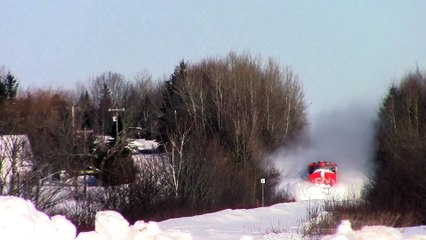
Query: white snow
[
  {"x": 140, "y": 145},
  {"x": 233, "y": 224},
  {"x": 344, "y": 231},
  {"x": 20, "y": 220}
]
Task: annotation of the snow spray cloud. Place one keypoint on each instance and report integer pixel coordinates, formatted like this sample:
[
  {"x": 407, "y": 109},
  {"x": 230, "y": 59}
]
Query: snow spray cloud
[{"x": 344, "y": 136}]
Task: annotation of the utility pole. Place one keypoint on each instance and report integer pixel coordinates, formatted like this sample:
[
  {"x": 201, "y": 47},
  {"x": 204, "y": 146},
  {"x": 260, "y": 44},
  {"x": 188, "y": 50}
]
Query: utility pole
[
  {"x": 262, "y": 181},
  {"x": 85, "y": 132},
  {"x": 73, "y": 116},
  {"x": 115, "y": 119},
  {"x": 73, "y": 108}
]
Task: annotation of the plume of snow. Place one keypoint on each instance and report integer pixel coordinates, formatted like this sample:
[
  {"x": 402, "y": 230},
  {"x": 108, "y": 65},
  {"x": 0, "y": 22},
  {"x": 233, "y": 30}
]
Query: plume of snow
[{"x": 343, "y": 136}]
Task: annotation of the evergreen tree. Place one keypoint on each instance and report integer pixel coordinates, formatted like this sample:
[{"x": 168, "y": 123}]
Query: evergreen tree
[
  {"x": 87, "y": 111},
  {"x": 172, "y": 102},
  {"x": 399, "y": 184},
  {"x": 113, "y": 159},
  {"x": 105, "y": 117},
  {"x": 11, "y": 85},
  {"x": 3, "y": 93}
]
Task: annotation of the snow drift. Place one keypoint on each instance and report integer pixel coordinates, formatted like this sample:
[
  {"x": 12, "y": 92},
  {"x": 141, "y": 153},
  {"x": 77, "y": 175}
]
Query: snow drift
[
  {"x": 19, "y": 220},
  {"x": 345, "y": 232}
]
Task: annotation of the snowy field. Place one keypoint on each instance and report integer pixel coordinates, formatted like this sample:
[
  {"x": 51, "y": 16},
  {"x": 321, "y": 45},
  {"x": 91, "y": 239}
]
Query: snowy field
[{"x": 20, "y": 220}]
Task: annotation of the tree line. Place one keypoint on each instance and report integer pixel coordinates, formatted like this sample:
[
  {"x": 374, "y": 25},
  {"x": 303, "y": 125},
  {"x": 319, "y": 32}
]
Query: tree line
[
  {"x": 216, "y": 121},
  {"x": 396, "y": 194},
  {"x": 220, "y": 118},
  {"x": 399, "y": 185}
]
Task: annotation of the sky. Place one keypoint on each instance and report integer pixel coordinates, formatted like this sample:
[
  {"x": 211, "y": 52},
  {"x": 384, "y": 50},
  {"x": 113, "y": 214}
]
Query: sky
[{"x": 342, "y": 51}]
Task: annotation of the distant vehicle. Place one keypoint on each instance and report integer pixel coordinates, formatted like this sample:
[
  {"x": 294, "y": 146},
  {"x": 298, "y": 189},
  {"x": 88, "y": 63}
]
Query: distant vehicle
[{"x": 323, "y": 173}]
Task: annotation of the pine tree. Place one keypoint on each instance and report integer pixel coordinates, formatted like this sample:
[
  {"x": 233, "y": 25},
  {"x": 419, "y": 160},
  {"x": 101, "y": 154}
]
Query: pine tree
[
  {"x": 87, "y": 111},
  {"x": 401, "y": 151},
  {"x": 105, "y": 103},
  {"x": 171, "y": 101},
  {"x": 11, "y": 85},
  {"x": 3, "y": 93}
]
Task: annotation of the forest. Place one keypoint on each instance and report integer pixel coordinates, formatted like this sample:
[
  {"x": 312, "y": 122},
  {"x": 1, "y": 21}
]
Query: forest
[{"x": 216, "y": 121}]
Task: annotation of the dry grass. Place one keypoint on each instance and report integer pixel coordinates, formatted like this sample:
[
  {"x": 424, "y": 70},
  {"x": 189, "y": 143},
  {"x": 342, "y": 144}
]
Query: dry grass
[{"x": 324, "y": 219}]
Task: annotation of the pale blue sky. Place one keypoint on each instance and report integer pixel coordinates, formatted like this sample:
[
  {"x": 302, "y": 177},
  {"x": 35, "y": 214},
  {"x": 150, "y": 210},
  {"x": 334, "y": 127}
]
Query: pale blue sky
[{"x": 343, "y": 51}]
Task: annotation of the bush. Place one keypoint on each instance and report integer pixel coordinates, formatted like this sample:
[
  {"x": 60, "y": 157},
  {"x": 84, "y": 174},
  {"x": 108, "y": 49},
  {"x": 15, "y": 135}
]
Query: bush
[{"x": 324, "y": 219}]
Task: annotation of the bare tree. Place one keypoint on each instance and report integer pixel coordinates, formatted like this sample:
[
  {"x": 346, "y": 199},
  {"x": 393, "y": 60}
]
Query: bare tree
[
  {"x": 176, "y": 160},
  {"x": 15, "y": 162},
  {"x": 140, "y": 108},
  {"x": 116, "y": 84}
]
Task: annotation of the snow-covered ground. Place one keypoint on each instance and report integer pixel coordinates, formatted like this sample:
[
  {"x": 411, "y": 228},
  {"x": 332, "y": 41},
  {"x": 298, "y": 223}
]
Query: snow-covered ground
[
  {"x": 233, "y": 224},
  {"x": 19, "y": 220}
]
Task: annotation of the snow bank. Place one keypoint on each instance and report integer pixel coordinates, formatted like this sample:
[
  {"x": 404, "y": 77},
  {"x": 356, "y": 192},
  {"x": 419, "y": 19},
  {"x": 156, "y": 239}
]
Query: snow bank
[
  {"x": 20, "y": 220},
  {"x": 345, "y": 231}
]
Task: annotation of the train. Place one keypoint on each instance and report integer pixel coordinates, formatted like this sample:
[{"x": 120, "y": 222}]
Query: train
[{"x": 323, "y": 173}]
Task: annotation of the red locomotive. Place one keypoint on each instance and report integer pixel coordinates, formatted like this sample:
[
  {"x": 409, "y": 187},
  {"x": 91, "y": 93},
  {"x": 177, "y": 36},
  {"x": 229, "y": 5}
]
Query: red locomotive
[{"x": 323, "y": 173}]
